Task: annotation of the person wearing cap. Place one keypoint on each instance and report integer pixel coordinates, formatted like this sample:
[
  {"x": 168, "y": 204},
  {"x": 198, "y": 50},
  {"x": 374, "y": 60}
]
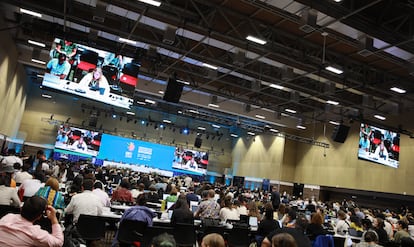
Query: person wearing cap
[{"x": 8, "y": 195}]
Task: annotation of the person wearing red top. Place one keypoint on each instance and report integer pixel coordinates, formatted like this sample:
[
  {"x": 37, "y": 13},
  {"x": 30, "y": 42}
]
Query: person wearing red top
[{"x": 122, "y": 193}]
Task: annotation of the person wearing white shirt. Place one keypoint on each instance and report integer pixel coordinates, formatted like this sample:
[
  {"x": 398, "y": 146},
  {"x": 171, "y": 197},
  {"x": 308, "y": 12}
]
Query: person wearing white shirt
[
  {"x": 342, "y": 225},
  {"x": 228, "y": 212},
  {"x": 23, "y": 175},
  {"x": 29, "y": 187},
  {"x": 98, "y": 190},
  {"x": 85, "y": 203},
  {"x": 11, "y": 159}
]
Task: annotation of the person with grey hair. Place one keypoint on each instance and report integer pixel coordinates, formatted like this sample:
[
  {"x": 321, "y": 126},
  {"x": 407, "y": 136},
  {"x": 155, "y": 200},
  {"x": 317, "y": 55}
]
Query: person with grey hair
[{"x": 163, "y": 240}]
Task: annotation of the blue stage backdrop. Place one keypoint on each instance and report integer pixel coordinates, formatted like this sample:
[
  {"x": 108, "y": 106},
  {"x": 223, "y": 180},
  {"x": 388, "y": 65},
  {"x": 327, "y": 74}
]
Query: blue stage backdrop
[{"x": 130, "y": 151}]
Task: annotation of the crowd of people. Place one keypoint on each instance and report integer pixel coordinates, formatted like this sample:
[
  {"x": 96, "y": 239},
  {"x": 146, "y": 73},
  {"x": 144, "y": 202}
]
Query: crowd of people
[{"x": 56, "y": 189}]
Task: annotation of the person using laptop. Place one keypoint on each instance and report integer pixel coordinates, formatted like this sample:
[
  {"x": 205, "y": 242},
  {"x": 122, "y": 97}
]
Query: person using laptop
[{"x": 181, "y": 213}]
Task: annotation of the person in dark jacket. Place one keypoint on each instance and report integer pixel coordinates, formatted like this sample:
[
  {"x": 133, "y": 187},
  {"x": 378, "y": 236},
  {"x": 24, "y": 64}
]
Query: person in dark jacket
[{"x": 181, "y": 213}]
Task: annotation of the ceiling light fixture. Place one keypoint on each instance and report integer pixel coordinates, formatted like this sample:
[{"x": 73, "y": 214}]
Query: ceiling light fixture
[
  {"x": 166, "y": 121},
  {"x": 38, "y": 61},
  {"x": 183, "y": 82},
  {"x": 398, "y": 90},
  {"x": 29, "y": 12},
  {"x": 214, "y": 105},
  {"x": 161, "y": 92},
  {"x": 201, "y": 128},
  {"x": 333, "y": 122},
  {"x": 260, "y": 116},
  {"x": 251, "y": 133},
  {"x": 46, "y": 96},
  {"x": 151, "y": 2},
  {"x": 332, "y": 102},
  {"x": 256, "y": 40},
  {"x": 215, "y": 126},
  {"x": 128, "y": 41},
  {"x": 276, "y": 86},
  {"x": 234, "y": 135},
  {"x": 193, "y": 111},
  {"x": 210, "y": 66},
  {"x": 380, "y": 117},
  {"x": 149, "y": 101},
  {"x": 334, "y": 70},
  {"x": 130, "y": 113},
  {"x": 140, "y": 102},
  {"x": 36, "y": 43},
  {"x": 290, "y": 110},
  {"x": 274, "y": 130},
  {"x": 301, "y": 127}
]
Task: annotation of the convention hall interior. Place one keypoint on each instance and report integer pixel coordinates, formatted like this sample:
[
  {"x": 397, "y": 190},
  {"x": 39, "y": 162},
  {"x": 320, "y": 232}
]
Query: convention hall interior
[{"x": 279, "y": 90}]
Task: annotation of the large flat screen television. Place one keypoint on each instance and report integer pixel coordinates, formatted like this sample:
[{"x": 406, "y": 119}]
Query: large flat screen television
[
  {"x": 131, "y": 151},
  {"x": 190, "y": 160},
  {"x": 379, "y": 145},
  {"x": 78, "y": 141},
  {"x": 91, "y": 73}
]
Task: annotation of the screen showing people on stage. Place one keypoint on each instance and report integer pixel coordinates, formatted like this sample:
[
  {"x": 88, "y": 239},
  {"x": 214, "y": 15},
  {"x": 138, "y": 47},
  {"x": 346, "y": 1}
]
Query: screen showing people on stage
[
  {"x": 190, "y": 160},
  {"x": 379, "y": 145},
  {"x": 108, "y": 77},
  {"x": 78, "y": 140}
]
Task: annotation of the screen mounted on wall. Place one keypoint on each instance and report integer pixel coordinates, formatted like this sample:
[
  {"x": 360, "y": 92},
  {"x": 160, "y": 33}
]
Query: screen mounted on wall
[
  {"x": 78, "y": 140},
  {"x": 190, "y": 160},
  {"x": 379, "y": 145},
  {"x": 91, "y": 73}
]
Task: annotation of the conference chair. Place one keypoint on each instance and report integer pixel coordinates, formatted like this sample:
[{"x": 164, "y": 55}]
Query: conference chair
[
  {"x": 239, "y": 237},
  {"x": 5, "y": 209},
  {"x": 185, "y": 234},
  {"x": 91, "y": 227},
  {"x": 131, "y": 231},
  {"x": 324, "y": 241}
]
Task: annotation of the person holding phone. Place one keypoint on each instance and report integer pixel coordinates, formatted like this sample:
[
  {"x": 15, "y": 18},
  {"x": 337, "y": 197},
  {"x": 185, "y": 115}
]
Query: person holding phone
[{"x": 20, "y": 230}]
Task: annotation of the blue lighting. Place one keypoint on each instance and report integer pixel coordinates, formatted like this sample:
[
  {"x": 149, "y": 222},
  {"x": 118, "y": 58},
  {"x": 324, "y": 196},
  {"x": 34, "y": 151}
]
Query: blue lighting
[
  {"x": 162, "y": 126},
  {"x": 142, "y": 122},
  {"x": 186, "y": 131},
  {"x": 114, "y": 115}
]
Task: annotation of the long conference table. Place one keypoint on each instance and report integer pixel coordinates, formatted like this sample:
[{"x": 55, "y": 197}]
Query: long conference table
[{"x": 114, "y": 214}]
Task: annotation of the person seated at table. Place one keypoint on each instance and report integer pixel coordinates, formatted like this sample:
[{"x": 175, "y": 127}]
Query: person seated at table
[
  {"x": 342, "y": 225},
  {"x": 153, "y": 195},
  {"x": 297, "y": 232},
  {"x": 139, "y": 212},
  {"x": 181, "y": 213},
  {"x": 267, "y": 225},
  {"x": 59, "y": 66},
  {"x": 378, "y": 226},
  {"x": 402, "y": 231},
  {"x": 173, "y": 196},
  {"x": 228, "y": 212},
  {"x": 370, "y": 239},
  {"x": 213, "y": 240},
  {"x": 98, "y": 189},
  {"x": 8, "y": 195},
  {"x": 122, "y": 194},
  {"x": 208, "y": 208},
  {"x": 51, "y": 193},
  {"x": 283, "y": 240},
  {"x": 138, "y": 190},
  {"x": 95, "y": 81},
  {"x": 315, "y": 228},
  {"x": 20, "y": 230},
  {"x": 29, "y": 187},
  {"x": 85, "y": 202},
  {"x": 254, "y": 211}
]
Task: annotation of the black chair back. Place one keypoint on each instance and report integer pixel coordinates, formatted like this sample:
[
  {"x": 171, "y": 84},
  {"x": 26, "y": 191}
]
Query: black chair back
[
  {"x": 5, "y": 209},
  {"x": 239, "y": 237},
  {"x": 91, "y": 227},
  {"x": 131, "y": 231},
  {"x": 185, "y": 234}
]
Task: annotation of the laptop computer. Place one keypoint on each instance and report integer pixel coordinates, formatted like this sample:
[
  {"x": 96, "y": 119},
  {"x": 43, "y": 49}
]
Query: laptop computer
[{"x": 253, "y": 221}]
